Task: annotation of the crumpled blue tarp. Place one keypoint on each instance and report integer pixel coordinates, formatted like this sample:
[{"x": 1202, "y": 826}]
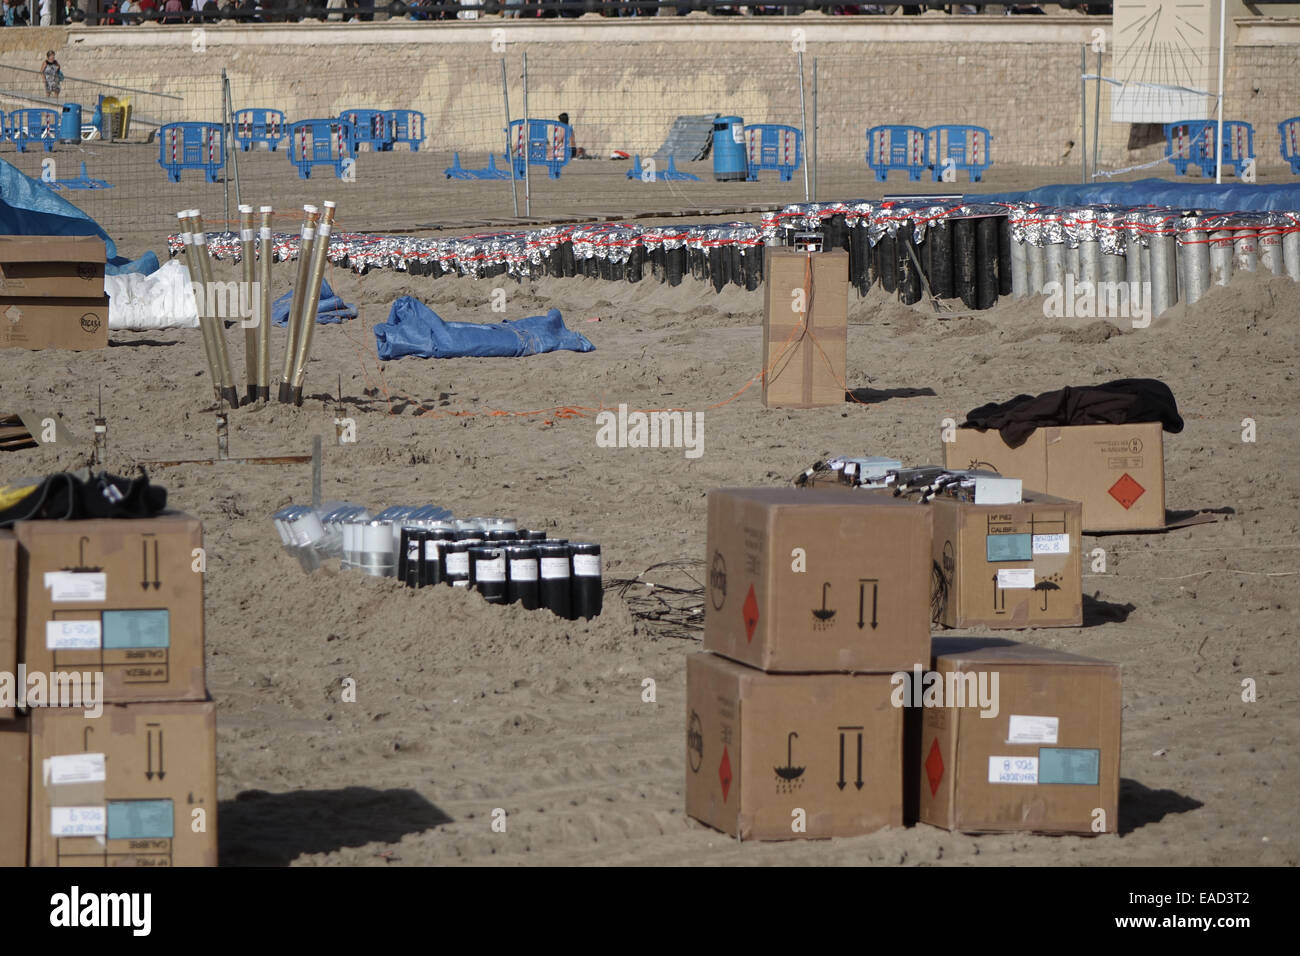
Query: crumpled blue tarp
[
  {"x": 415, "y": 329},
  {"x": 30, "y": 208},
  {"x": 332, "y": 308},
  {"x": 1193, "y": 194},
  {"x": 147, "y": 265}
]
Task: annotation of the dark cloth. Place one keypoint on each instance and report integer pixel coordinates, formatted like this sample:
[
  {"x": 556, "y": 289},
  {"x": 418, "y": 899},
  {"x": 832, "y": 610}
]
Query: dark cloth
[
  {"x": 66, "y": 496},
  {"x": 1121, "y": 402}
]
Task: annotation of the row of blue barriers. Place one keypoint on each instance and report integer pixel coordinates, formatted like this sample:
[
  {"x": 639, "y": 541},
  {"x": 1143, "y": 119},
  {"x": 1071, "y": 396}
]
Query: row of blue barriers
[
  {"x": 1189, "y": 144},
  {"x": 381, "y": 130},
  {"x": 914, "y": 150}
]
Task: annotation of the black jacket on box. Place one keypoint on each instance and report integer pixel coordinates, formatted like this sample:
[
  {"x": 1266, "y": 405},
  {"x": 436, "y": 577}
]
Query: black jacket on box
[
  {"x": 1121, "y": 402},
  {"x": 67, "y": 496}
]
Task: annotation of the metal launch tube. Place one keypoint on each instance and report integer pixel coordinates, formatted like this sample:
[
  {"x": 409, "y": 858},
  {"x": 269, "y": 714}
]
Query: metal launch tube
[
  {"x": 196, "y": 282},
  {"x": 219, "y": 353},
  {"x": 264, "y": 305},
  {"x": 1291, "y": 247},
  {"x": 1270, "y": 245},
  {"x": 1245, "y": 246},
  {"x": 1164, "y": 274},
  {"x": 247, "y": 236},
  {"x": 1194, "y": 253},
  {"x": 311, "y": 303},
  {"x": 1035, "y": 258},
  {"x": 1221, "y": 256},
  {"x": 1070, "y": 262},
  {"x": 1054, "y": 263},
  {"x": 305, "y": 245}
]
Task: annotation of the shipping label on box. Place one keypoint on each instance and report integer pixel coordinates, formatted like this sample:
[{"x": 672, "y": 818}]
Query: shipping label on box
[
  {"x": 119, "y": 597},
  {"x": 805, "y": 328},
  {"x": 824, "y": 579},
  {"x": 15, "y": 749},
  {"x": 1116, "y": 471},
  {"x": 134, "y": 787},
  {"x": 1008, "y": 566},
  {"x": 791, "y": 756},
  {"x": 1045, "y": 758}
]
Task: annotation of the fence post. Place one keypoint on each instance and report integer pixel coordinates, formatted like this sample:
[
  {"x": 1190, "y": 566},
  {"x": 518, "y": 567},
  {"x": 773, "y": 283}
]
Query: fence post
[
  {"x": 803, "y": 124},
  {"x": 225, "y": 130},
  {"x": 816, "y": 132},
  {"x": 228, "y": 124},
  {"x": 1218, "y": 135},
  {"x": 1083, "y": 107},
  {"x": 528, "y": 192},
  {"x": 505, "y": 96},
  {"x": 1096, "y": 120}
]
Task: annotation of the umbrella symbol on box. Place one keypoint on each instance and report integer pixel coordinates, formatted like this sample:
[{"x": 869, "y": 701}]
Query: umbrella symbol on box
[
  {"x": 1046, "y": 586},
  {"x": 81, "y": 557},
  {"x": 789, "y": 771},
  {"x": 824, "y": 613}
]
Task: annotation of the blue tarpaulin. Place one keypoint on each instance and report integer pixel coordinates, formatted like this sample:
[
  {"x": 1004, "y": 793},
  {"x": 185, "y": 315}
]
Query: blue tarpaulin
[
  {"x": 332, "y": 308},
  {"x": 415, "y": 329},
  {"x": 1228, "y": 197}
]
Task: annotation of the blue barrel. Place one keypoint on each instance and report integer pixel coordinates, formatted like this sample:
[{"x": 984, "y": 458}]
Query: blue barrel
[
  {"x": 729, "y": 161},
  {"x": 70, "y": 123}
]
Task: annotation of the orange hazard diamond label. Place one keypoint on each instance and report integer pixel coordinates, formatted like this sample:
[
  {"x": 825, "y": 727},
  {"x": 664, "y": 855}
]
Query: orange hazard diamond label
[
  {"x": 934, "y": 767},
  {"x": 750, "y": 612},
  {"x": 724, "y": 774},
  {"x": 1126, "y": 491}
]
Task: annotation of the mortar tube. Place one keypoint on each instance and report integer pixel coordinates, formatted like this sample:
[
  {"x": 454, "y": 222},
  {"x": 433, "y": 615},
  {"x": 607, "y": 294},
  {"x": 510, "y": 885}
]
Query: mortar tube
[
  {"x": 1090, "y": 262},
  {"x": 1036, "y": 267},
  {"x": 1070, "y": 264},
  {"x": 1270, "y": 247},
  {"x": 306, "y": 243},
  {"x": 196, "y": 282},
  {"x": 1054, "y": 264},
  {"x": 1019, "y": 269},
  {"x": 1006, "y": 271},
  {"x": 1133, "y": 257},
  {"x": 1194, "y": 251},
  {"x": 247, "y": 236},
  {"x": 215, "y": 322},
  {"x": 986, "y": 262},
  {"x": 1144, "y": 254},
  {"x": 940, "y": 236},
  {"x": 1164, "y": 275},
  {"x": 1291, "y": 250},
  {"x": 1221, "y": 256},
  {"x": 311, "y": 305},
  {"x": 963, "y": 260},
  {"x": 1245, "y": 248},
  {"x": 264, "y": 306},
  {"x": 1112, "y": 268}
]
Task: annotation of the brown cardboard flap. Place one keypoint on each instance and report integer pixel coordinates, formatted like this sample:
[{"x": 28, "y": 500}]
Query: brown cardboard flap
[{"x": 90, "y": 249}]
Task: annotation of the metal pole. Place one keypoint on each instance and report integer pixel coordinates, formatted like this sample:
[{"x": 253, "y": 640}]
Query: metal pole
[
  {"x": 1096, "y": 120},
  {"x": 264, "y": 306},
  {"x": 816, "y": 129},
  {"x": 305, "y": 245},
  {"x": 196, "y": 285},
  {"x": 311, "y": 305},
  {"x": 528, "y": 193},
  {"x": 315, "y": 471},
  {"x": 1083, "y": 107},
  {"x": 247, "y": 236},
  {"x": 1218, "y": 136},
  {"x": 220, "y": 355},
  {"x": 803, "y": 127},
  {"x": 505, "y": 95},
  {"x": 228, "y": 122}
]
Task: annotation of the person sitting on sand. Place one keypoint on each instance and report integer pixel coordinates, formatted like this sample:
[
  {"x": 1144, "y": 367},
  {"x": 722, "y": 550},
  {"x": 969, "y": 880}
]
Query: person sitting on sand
[{"x": 575, "y": 151}]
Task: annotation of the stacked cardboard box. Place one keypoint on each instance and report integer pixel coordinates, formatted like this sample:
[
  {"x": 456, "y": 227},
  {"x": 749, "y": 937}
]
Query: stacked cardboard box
[
  {"x": 805, "y": 328},
  {"x": 52, "y": 292},
  {"x": 123, "y": 743},
  {"x": 814, "y": 599}
]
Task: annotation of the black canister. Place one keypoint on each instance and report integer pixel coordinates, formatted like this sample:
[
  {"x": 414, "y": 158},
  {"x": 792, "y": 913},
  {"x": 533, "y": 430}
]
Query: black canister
[
  {"x": 487, "y": 572},
  {"x": 521, "y": 576},
  {"x": 531, "y": 535},
  {"x": 455, "y": 562},
  {"x": 586, "y": 589},
  {"x": 431, "y": 556},
  {"x": 554, "y": 577},
  {"x": 502, "y": 536},
  {"x": 472, "y": 535},
  {"x": 408, "y": 556}
]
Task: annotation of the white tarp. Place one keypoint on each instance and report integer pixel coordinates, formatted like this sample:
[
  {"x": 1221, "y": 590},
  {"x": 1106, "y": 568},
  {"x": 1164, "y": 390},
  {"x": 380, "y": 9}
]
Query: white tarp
[{"x": 163, "y": 300}]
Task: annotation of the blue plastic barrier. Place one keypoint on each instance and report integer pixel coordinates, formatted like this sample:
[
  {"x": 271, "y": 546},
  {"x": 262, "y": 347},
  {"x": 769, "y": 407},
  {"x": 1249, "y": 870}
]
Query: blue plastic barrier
[
  {"x": 772, "y": 146},
  {"x": 1289, "y": 131},
  {"x": 896, "y": 147},
  {"x": 407, "y": 126},
  {"x": 369, "y": 127},
  {"x": 967, "y": 147},
  {"x": 319, "y": 142},
  {"x": 457, "y": 171},
  {"x": 549, "y": 144},
  {"x": 34, "y": 125},
  {"x": 670, "y": 175},
  {"x": 256, "y": 125},
  {"x": 81, "y": 182},
  {"x": 1190, "y": 143},
  {"x": 183, "y": 146}
]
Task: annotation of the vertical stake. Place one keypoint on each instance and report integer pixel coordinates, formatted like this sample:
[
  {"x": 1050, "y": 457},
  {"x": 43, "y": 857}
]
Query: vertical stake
[{"x": 315, "y": 470}]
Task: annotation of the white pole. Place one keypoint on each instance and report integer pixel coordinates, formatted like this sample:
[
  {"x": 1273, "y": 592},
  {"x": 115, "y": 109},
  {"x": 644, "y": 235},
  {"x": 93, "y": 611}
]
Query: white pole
[
  {"x": 803, "y": 131},
  {"x": 1218, "y": 135}
]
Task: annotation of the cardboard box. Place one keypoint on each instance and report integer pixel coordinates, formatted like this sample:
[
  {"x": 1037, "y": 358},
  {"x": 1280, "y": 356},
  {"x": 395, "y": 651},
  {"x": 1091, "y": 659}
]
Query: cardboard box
[
  {"x": 1048, "y": 760},
  {"x": 15, "y": 748},
  {"x": 63, "y": 267},
  {"x": 1004, "y": 566},
  {"x": 761, "y": 747},
  {"x": 1117, "y": 471},
  {"x": 8, "y": 616},
  {"x": 805, "y": 356},
  {"x": 822, "y": 579},
  {"x": 119, "y": 597},
  {"x": 46, "y": 323},
  {"x": 128, "y": 788}
]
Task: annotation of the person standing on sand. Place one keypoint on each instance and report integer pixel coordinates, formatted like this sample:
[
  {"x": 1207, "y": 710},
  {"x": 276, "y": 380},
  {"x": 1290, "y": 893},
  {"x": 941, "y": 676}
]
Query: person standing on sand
[{"x": 52, "y": 74}]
